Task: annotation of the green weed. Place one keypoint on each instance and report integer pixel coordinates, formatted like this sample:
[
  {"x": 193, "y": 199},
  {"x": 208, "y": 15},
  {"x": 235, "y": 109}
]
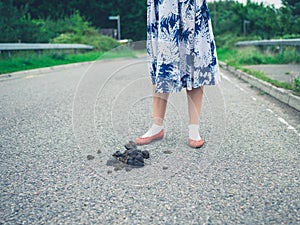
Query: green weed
[
  {"x": 297, "y": 85},
  {"x": 32, "y": 61},
  {"x": 254, "y": 56},
  {"x": 238, "y": 57}
]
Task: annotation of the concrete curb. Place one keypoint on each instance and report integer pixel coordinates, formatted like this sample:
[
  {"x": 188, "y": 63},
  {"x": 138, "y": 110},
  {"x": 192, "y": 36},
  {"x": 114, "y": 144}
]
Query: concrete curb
[{"x": 280, "y": 94}]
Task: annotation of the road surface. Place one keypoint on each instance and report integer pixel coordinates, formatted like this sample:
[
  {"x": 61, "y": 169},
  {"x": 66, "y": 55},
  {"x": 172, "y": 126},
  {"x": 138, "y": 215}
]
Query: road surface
[{"x": 247, "y": 172}]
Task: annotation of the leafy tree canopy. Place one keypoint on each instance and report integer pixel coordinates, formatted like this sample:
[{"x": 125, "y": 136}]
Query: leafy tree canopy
[{"x": 43, "y": 20}]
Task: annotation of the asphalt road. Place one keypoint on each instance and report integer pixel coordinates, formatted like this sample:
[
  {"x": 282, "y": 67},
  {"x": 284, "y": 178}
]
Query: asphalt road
[
  {"x": 247, "y": 172},
  {"x": 284, "y": 73}
]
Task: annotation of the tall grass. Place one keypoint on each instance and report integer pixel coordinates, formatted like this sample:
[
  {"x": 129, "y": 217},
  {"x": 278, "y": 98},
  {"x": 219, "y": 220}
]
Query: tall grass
[{"x": 254, "y": 56}]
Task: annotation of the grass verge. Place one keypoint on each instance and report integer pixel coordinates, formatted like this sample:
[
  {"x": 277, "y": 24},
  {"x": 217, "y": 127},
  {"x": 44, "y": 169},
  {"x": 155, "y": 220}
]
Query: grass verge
[
  {"x": 255, "y": 56},
  {"x": 239, "y": 57},
  {"x": 30, "y": 60}
]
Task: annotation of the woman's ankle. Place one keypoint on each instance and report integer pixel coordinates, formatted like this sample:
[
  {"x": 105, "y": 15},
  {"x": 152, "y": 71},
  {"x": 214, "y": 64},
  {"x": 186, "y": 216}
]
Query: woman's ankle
[
  {"x": 194, "y": 132},
  {"x": 154, "y": 129}
]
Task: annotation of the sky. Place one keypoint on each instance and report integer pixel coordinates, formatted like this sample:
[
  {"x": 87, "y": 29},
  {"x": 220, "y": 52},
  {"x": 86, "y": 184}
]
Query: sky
[{"x": 276, "y": 3}]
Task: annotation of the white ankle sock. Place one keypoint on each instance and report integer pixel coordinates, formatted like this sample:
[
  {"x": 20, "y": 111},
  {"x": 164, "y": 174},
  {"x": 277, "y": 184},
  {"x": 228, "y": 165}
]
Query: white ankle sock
[
  {"x": 194, "y": 132},
  {"x": 155, "y": 129}
]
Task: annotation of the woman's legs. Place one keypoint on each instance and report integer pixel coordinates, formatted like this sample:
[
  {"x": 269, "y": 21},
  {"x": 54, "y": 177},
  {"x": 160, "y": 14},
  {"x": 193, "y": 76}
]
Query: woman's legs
[
  {"x": 194, "y": 108},
  {"x": 194, "y": 104},
  {"x": 160, "y": 101}
]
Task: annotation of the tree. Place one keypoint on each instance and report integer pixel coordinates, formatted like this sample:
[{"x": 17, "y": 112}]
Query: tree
[
  {"x": 15, "y": 23},
  {"x": 133, "y": 13},
  {"x": 262, "y": 19},
  {"x": 43, "y": 20},
  {"x": 290, "y": 17}
]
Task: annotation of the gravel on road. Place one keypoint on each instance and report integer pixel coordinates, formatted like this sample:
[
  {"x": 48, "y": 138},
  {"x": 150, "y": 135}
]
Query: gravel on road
[{"x": 247, "y": 172}]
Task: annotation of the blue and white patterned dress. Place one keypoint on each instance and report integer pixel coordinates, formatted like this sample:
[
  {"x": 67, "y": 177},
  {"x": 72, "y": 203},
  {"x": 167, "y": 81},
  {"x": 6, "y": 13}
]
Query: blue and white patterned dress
[{"x": 180, "y": 45}]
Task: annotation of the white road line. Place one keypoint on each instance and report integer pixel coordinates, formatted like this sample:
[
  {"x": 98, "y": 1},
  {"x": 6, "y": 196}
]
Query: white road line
[
  {"x": 230, "y": 81},
  {"x": 225, "y": 77},
  {"x": 29, "y": 77},
  {"x": 289, "y": 127},
  {"x": 283, "y": 121},
  {"x": 242, "y": 89}
]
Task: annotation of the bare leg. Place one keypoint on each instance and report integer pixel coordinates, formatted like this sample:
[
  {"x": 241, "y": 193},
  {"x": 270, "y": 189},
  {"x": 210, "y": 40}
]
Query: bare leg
[
  {"x": 194, "y": 104},
  {"x": 160, "y": 101},
  {"x": 194, "y": 107}
]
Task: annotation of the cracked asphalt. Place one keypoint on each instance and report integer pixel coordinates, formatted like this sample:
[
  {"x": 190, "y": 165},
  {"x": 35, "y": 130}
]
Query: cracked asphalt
[{"x": 247, "y": 172}]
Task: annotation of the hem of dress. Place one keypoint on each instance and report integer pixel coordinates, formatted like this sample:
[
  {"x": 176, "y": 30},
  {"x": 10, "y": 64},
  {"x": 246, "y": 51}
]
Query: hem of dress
[{"x": 179, "y": 89}]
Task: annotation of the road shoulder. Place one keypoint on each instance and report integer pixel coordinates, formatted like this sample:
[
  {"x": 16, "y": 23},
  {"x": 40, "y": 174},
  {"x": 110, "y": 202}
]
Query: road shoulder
[{"x": 280, "y": 94}]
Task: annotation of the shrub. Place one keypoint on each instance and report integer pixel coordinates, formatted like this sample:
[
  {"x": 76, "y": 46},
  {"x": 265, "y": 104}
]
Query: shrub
[
  {"x": 297, "y": 85},
  {"x": 58, "y": 55},
  {"x": 76, "y": 30},
  {"x": 100, "y": 42},
  {"x": 228, "y": 40}
]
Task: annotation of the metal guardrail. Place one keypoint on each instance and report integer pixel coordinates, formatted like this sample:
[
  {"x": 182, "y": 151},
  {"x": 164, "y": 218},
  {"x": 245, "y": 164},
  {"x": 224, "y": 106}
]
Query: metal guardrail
[
  {"x": 278, "y": 42},
  {"x": 40, "y": 46}
]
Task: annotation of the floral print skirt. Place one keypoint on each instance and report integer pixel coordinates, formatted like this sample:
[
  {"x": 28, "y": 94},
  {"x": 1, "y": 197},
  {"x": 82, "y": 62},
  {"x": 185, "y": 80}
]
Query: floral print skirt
[{"x": 180, "y": 45}]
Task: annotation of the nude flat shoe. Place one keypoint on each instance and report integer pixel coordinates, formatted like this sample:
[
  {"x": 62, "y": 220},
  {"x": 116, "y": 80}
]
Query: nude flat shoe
[
  {"x": 195, "y": 144},
  {"x": 147, "y": 140}
]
